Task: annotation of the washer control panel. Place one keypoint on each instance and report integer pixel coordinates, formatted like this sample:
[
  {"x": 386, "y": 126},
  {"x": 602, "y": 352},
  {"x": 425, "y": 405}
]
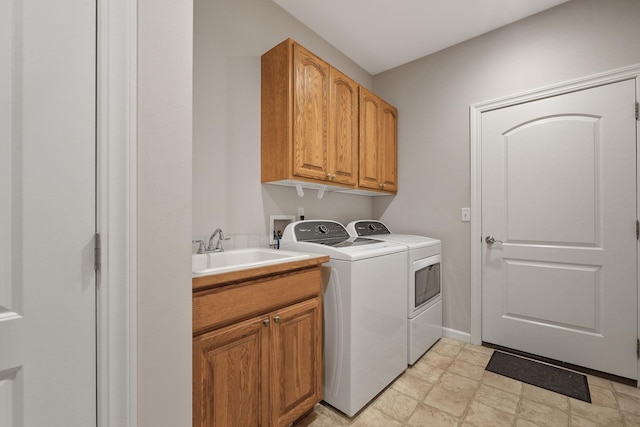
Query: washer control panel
[
  {"x": 370, "y": 228},
  {"x": 317, "y": 230}
]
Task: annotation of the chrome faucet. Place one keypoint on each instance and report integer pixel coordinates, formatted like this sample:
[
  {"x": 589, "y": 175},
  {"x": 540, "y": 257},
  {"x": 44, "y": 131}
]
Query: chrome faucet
[{"x": 218, "y": 247}]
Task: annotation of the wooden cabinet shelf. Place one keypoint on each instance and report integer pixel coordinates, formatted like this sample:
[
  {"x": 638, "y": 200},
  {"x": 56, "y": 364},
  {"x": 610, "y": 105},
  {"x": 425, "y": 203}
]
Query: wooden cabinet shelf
[
  {"x": 257, "y": 349},
  {"x": 311, "y": 124}
]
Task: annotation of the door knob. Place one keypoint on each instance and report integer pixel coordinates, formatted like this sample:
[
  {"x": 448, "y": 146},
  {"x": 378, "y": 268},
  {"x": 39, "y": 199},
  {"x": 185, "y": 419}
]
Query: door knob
[{"x": 491, "y": 240}]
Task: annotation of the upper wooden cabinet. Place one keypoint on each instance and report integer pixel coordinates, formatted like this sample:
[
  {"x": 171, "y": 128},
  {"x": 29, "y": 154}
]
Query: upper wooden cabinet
[
  {"x": 309, "y": 118},
  {"x": 310, "y": 115},
  {"x": 378, "y": 143},
  {"x": 343, "y": 129},
  {"x": 311, "y": 122}
]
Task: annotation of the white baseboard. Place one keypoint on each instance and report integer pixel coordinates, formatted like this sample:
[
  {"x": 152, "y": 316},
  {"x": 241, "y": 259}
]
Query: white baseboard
[{"x": 454, "y": 334}]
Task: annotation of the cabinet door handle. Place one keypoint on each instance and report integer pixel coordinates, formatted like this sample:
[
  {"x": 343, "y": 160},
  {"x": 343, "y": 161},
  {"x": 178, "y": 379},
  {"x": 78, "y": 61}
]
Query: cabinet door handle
[
  {"x": 276, "y": 319},
  {"x": 266, "y": 322}
]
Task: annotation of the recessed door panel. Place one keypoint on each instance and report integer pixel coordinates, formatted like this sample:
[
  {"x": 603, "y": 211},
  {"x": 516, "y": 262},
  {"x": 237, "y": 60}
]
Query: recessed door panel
[
  {"x": 550, "y": 200},
  {"x": 11, "y": 41},
  {"x": 232, "y": 362},
  {"x": 11, "y": 408},
  {"x": 369, "y": 168},
  {"x": 389, "y": 138},
  {"x": 310, "y": 115},
  {"x": 343, "y": 135},
  {"x": 553, "y": 294}
]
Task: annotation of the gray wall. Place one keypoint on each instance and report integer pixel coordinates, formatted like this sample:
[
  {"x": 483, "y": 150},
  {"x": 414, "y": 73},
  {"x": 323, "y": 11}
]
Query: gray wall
[
  {"x": 433, "y": 95},
  {"x": 164, "y": 212},
  {"x": 229, "y": 38}
]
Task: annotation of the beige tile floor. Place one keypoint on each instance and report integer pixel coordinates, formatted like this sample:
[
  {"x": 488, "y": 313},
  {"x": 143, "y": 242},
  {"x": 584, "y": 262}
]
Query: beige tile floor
[{"x": 448, "y": 386}]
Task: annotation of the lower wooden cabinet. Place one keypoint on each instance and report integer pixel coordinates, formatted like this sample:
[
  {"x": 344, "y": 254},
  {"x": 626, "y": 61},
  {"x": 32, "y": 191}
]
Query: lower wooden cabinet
[
  {"x": 262, "y": 371},
  {"x": 295, "y": 372},
  {"x": 230, "y": 368}
]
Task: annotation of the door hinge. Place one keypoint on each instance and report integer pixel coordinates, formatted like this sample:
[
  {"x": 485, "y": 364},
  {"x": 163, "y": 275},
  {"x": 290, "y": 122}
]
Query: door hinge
[
  {"x": 638, "y": 348},
  {"x": 637, "y": 230},
  {"x": 637, "y": 110},
  {"x": 97, "y": 252}
]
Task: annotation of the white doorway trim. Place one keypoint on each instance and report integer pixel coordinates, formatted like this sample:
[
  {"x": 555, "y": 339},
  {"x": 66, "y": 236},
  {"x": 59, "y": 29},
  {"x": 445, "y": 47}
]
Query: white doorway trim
[
  {"x": 475, "y": 112},
  {"x": 116, "y": 212}
]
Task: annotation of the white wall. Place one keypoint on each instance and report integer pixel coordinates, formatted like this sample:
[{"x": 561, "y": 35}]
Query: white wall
[
  {"x": 229, "y": 38},
  {"x": 433, "y": 95},
  {"x": 164, "y": 212}
]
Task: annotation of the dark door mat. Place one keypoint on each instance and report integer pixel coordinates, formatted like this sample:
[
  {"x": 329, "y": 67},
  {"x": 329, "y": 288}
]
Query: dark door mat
[{"x": 559, "y": 380}]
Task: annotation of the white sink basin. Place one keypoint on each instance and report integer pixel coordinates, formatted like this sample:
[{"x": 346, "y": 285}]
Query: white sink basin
[{"x": 240, "y": 259}]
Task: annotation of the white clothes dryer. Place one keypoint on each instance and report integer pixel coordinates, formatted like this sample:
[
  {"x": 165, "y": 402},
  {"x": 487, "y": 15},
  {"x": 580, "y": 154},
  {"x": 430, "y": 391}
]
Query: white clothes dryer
[
  {"x": 365, "y": 322},
  {"x": 424, "y": 283}
]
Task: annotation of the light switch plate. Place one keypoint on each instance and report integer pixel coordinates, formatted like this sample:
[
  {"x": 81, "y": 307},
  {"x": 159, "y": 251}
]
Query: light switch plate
[{"x": 466, "y": 215}]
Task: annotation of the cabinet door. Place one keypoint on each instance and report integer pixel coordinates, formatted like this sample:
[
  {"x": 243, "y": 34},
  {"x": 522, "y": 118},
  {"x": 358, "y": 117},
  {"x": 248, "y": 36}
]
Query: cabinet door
[
  {"x": 230, "y": 371},
  {"x": 369, "y": 137},
  {"x": 378, "y": 143},
  {"x": 296, "y": 361},
  {"x": 310, "y": 115},
  {"x": 343, "y": 129},
  {"x": 389, "y": 147}
]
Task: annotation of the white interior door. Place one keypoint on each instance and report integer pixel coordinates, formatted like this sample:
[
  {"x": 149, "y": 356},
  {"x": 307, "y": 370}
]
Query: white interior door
[
  {"x": 559, "y": 190},
  {"x": 47, "y": 213}
]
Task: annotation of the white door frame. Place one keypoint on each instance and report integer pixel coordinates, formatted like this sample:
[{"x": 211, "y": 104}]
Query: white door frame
[
  {"x": 475, "y": 112},
  {"x": 116, "y": 117}
]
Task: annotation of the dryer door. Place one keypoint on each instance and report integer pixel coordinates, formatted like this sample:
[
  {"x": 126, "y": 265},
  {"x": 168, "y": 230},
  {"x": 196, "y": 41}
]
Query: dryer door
[{"x": 425, "y": 283}]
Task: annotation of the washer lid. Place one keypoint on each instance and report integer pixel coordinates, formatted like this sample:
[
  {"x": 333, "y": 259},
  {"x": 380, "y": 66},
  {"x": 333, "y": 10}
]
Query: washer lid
[
  {"x": 410, "y": 240},
  {"x": 377, "y": 230}
]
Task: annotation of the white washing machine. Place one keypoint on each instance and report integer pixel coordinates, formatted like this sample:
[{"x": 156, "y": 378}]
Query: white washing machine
[
  {"x": 365, "y": 321},
  {"x": 424, "y": 279}
]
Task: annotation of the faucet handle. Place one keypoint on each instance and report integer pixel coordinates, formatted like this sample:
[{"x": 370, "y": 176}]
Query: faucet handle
[
  {"x": 221, "y": 238},
  {"x": 200, "y": 246}
]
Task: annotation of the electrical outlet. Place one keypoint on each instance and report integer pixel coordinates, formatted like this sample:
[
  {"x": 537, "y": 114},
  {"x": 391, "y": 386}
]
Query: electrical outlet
[{"x": 466, "y": 215}]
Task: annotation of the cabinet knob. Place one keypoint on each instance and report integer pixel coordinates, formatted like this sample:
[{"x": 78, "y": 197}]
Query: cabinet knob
[
  {"x": 331, "y": 176},
  {"x": 381, "y": 185},
  {"x": 266, "y": 322},
  {"x": 276, "y": 319}
]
